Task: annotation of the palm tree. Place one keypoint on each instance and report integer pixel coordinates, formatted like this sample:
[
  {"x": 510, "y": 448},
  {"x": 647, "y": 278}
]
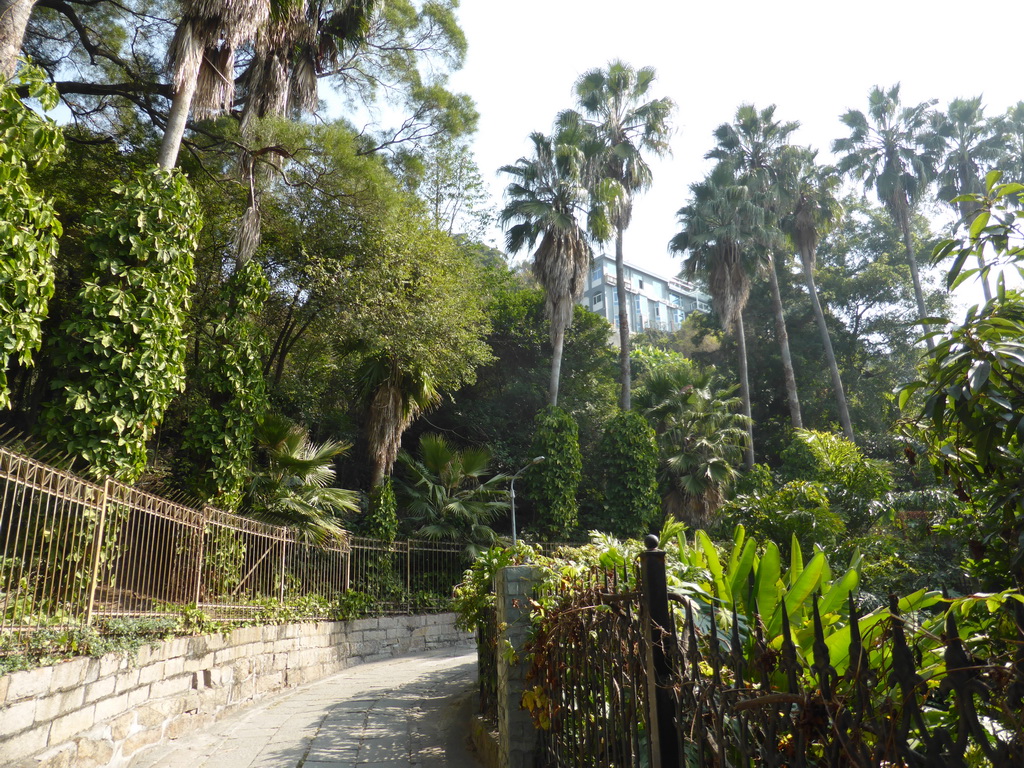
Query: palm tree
[
  {"x": 718, "y": 228},
  {"x": 293, "y": 486},
  {"x": 813, "y": 210},
  {"x": 890, "y": 152},
  {"x": 1011, "y": 155},
  {"x": 700, "y": 433},
  {"x": 447, "y": 496},
  {"x": 626, "y": 126},
  {"x": 396, "y": 396},
  {"x": 546, "y": 200},
  {"x": 202, "y": 55},
  {"x": 970, "y": 147},
  {"x": 752, "y": 145}
]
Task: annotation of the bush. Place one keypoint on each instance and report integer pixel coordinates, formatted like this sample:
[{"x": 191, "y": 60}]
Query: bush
[
  {"x": 627, "y": 460},
  {"x": 553, "y": 483}
]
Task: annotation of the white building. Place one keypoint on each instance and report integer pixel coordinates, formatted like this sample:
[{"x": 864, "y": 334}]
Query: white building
[{"x": 655, "y": 301}]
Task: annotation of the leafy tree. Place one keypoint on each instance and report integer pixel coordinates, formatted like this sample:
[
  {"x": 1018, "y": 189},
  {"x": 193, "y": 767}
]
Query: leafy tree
[
  {"x": 718, "y": 227},
  {"x": 122, "y": 355},
  {"x": 614, "y": 103},
  {"x": 857, "y": 487},
  {"x": 700, "y": 436},
  {"x": 29, "y": 228},
  {"x": 971, "y": 411},
  {"x": 552, "y": 484},
  {"x": 446, "y": 496},
  {"x": 291, "y": 485},
  {"x": 887, "y": 150},
  {"x": 627, "y": 460},
  {"x": 546, "y": 200}
]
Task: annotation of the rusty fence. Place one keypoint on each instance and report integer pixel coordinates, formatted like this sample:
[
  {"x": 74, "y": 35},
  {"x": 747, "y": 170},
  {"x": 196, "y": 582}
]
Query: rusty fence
[
  {"x": 627, "y": 674},
  {"x": 74, "y": 551}
]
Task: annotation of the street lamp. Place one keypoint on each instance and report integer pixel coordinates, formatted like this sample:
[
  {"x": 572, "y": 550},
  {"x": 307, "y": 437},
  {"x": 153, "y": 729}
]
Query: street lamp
[{"x": 512, "y": 492}]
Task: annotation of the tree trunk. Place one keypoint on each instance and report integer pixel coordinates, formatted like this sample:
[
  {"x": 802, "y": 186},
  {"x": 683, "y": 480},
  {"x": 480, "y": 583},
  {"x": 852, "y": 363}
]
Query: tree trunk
[
  {"x": 556, "y": 366},
  {"x": 620, "y": 291},
  {"x": 14, "y": 16},
  {"x": 908, "y": 245},
  {"x": 787, "y": 360},
  {"x": 741, "y": 340},
  {"x": 176, "y": 120},
  {"x": 806, "y": 259}
]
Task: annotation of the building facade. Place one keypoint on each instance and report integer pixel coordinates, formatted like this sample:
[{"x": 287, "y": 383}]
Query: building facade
[{"x": 655, "y": 302}]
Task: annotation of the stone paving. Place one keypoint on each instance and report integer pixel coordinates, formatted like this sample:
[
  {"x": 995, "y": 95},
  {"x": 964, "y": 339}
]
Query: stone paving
[{"x": 409, "y": 711}]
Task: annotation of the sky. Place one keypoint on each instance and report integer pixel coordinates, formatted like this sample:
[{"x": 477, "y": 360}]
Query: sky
[{"x": 814, "y": 60}]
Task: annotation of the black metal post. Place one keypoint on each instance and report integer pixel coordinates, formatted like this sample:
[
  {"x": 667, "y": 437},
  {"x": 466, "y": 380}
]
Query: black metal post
[{"x": 654, "y": 587}]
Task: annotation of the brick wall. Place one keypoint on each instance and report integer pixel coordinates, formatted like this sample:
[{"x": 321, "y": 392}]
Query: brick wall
[{"x": 99, "y": 711}]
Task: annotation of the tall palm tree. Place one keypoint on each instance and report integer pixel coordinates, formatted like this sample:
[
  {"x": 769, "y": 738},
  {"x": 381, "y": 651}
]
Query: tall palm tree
[
  {"x": 546, "y": 200},
  {"x": 718, "y": 229},
  {"x": 449, "y": 496},
  {"x": 813, "y": 209},
  {"x": 752, "y": 144},
  {"x": 888, "y": 149},
  {"x": 701, "y": 437},
  {"x": 971, "y": 145},
  {"x": 202, "y": 55},
  {"x": 614, "y": 103},
  {"x": 1011, "y": 155},
  {"x": 396, "y": 397}
]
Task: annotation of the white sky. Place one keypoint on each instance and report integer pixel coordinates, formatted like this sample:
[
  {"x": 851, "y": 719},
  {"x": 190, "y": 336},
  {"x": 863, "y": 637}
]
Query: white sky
[{"x": 814, "y": 60}]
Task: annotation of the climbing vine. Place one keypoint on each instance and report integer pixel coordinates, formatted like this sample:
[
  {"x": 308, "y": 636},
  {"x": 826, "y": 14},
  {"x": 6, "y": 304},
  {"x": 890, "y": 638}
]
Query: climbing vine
[
  {"x": 229, "y": 394},
  {"x": 553, "y": 483},
  {"x": 122, "y": 352},
  {"x": 29, "y": 228},
  {"x": 628, "y": 460}
]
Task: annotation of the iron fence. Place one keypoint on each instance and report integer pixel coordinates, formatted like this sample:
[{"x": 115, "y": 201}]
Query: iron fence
[
  {"x": 629, "y": 676},
  {"x": 73, "y": 551}
]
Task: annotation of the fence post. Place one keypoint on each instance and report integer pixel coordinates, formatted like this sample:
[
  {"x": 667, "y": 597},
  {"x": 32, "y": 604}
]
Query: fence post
[
  {"x": 284, "y": 552},
  {"x": 518, "y": 740},
  {"x": 97, "y": 550},
  {"x": 654, "y": 587}
]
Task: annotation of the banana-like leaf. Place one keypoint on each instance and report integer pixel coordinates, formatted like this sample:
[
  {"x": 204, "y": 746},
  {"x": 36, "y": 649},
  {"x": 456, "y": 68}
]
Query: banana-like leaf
[
  {"x": 715, "y": 566},
  {"x": 796, "y": 564},
  {"x": 838, "y": 592},
  {"x": 739, "y": 570},
  {"x": 766, "y": 583}
]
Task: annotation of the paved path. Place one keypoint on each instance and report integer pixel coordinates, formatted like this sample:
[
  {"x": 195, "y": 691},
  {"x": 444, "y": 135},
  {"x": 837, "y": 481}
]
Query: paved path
[{"x": 410, "y": 711}]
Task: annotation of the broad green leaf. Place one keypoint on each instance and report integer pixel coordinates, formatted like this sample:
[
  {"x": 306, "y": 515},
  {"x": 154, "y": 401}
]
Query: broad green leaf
[
  {"x": 715, "y": 566},
  {"x": 839, "y": 591},
  {"x": 796, "y": 562},
  {"x": 766, "y": 583},
  {"x": 740, "y": 570}
]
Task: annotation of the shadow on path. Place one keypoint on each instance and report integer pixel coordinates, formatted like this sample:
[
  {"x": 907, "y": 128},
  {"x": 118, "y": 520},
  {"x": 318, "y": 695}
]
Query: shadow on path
[{"x": 410, "y": 711}]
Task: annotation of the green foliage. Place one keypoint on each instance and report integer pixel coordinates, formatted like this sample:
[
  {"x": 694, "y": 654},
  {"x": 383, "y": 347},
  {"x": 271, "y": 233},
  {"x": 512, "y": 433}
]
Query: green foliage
[
  {"x": 627, "y": 459},
  {"x": 857, "y": 486},
  {"x": 799, "y": 510},
  {"x": 227, "y": 393},
  {"x": 971, "y": 412},
  {"x": 474, "y": 600},
  {"x": 292, "y": 484},
  {"x": 553, "y": 483},
  {"x": 28, "y": 223},
  {"x": 123, "y": 353},
  {"x": 381, "y": 518},
  {"x": 446, "y": 496}
]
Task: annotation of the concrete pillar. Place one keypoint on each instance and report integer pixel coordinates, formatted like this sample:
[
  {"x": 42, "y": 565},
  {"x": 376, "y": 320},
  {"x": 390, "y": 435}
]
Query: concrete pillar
[{"x": 518, "y": 739}]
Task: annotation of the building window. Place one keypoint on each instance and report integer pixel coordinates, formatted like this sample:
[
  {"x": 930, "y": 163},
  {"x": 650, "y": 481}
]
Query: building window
[
  {"x": 598, "y": 299},
  {"x": 640, "y": 283}
]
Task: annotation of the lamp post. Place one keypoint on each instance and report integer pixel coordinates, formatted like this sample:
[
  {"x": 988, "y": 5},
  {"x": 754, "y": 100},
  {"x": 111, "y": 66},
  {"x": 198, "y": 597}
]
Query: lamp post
[{"x": 512, "y": 492}]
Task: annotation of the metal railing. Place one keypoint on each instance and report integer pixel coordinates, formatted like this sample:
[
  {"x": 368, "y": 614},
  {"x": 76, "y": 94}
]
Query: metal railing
[{"x": 72, "y": 551}]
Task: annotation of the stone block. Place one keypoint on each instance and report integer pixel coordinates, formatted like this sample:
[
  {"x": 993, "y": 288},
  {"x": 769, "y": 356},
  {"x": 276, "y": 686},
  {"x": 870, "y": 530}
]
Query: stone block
[
  {"x": 26, "y": 743},
  {"x": 151, "y": 672},
  {"x": 127, "y": 680},
  {"x": 70, "y": 674},
  {"x": 58, "y": 704},
  {"x": 93, "y": 753},
  {"x": 109, "y": 708},
  {"x": 171, "y": 686},
  {"x": 100, "y": 689},
  {"x": 112, "y": 663},
  {"x": 149, "y": 716},
  {"x": 139, "y": 695},
  {"x": 65, "y": 728},
  {"x": 174, "y": 666},
  {"x": 18, "y": 716},
  {"x": 137, "y": 741},
  {"x": 28, "y": 684},
  {"x": 5, "y": 681},
  {"x": 62, "y": 757},
  {"x": 190, "y": 703},
  {"x": 120, "y": 727}
]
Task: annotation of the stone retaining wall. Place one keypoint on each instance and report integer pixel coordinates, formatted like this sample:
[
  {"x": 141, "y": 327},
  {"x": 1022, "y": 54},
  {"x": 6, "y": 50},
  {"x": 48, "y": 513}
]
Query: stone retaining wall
[{"x": 99, "y": 711}]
